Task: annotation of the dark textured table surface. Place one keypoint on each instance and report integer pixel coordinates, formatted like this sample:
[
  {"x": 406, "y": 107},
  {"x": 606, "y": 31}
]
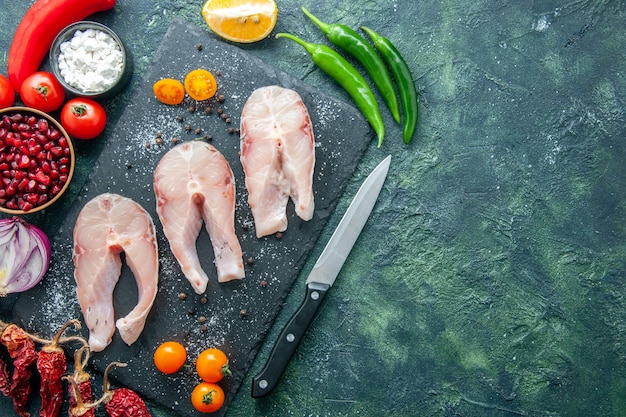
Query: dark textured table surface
[{"x": 490, "y": 279}]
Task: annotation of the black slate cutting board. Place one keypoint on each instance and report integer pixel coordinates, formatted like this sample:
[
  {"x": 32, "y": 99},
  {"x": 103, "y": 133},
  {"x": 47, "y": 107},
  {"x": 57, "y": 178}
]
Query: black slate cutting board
[{"x": 233, "y": 316}]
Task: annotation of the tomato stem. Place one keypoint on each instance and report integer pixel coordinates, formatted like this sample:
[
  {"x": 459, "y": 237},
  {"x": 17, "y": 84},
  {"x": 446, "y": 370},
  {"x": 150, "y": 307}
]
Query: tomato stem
[
  {"x": 79, "y": 110},
  {"x": 42, "y": 90},
  {"x": 208, "y": 398},
  {"x": 226, "y": 370}
]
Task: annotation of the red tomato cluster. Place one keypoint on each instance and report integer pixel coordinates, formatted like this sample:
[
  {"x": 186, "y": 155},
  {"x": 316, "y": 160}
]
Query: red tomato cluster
[
  {"x": 211, "y": 366},
  {"x": 82, "y": 118}
]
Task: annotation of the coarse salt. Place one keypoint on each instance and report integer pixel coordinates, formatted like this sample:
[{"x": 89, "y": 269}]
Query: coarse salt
[{"x": 91, "y": 61}]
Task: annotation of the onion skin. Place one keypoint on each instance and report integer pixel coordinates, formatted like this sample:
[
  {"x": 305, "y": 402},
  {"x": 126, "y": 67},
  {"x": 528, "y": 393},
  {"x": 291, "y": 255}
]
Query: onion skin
[{"x": 24, "y": 255}]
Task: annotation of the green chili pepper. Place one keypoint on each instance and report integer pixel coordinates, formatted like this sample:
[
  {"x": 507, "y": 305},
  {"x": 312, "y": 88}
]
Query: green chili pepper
[
  {"x": 404, "y": 79},
  {"x": 350, "y": 41},
  {"x": 348, "y": 77}
]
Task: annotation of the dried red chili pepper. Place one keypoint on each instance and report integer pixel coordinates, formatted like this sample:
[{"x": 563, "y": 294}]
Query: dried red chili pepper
[
  {"x": 5, "y": 379},
  {"x": 81, "y": 391},
  {"x": 52, "y": 365},
  {"x": 22, "y": 351},
  {"x": 126, "y": 403},
  {"x": 122, "y": 402}
]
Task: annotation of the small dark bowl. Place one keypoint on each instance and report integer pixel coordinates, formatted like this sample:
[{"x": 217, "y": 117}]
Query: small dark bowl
[
  {"x": 9, "y": 175},
  {"x": 66, "y": 35}
]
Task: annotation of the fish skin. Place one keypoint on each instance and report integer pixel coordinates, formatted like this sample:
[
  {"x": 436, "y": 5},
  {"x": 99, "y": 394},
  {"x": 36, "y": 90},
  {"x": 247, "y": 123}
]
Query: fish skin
[
  {"x": 278, "y": 157},
  {"x": 194, "y": 183},
  {"x": 108, "y": 225}
]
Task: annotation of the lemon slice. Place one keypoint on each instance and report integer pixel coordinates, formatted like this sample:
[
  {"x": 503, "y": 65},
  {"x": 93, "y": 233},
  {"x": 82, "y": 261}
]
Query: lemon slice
[{"x": 243, "y": 21}]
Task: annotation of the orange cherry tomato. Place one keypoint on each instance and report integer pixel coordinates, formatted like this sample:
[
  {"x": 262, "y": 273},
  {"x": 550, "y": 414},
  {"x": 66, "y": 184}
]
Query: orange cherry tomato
[
  {"x": 200, "y": 84},
  {"x": 169, "y": 357},
  {"x": 212, "y": 365},
  {"x": 169, "y": 91},
  {"x": 207, "y": 397}
]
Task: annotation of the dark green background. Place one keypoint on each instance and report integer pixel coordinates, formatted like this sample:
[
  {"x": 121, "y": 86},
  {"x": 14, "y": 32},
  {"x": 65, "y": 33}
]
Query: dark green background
[{"x": 489, "y": 280}]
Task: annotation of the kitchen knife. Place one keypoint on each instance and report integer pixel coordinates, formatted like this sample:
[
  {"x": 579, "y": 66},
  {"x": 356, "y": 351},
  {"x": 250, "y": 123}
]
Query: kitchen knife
[{"x": 321, "y": 278}]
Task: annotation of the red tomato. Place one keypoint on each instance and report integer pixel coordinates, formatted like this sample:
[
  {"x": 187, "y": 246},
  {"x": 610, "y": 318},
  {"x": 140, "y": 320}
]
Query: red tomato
[
  {"x": 83, "y": 118},
  {"x": 42, "y": 91},
  {"x": 212, "y": 365},
  {"x": 169, "y": 357},
  {"x": 7, "y": 93},
  {"x": 207, "y": 397}
]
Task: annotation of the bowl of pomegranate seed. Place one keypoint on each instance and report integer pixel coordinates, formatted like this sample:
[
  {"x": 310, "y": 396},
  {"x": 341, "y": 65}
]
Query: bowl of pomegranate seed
[{"x": 36, "y": 160}]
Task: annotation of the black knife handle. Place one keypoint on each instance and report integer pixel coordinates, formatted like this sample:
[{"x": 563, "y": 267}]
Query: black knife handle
[{"x": 289, "y": 339}]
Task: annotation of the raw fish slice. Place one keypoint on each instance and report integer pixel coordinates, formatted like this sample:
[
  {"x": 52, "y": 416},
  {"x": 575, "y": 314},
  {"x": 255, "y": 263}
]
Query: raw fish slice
[
  {"x": 193, "y": 182},
  {"x": 278, "y": 157},
  {"x": 106, "y": 226}
]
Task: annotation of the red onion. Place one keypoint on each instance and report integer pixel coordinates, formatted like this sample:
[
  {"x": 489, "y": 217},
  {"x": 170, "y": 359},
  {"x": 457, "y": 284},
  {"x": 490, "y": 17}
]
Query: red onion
[{"x": 24, "y": 255}]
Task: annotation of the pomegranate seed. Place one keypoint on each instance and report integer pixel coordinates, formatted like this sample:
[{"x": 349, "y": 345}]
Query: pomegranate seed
[
  {"x": 42, "y": 125},
  {"x": 16, "y": 117},
  {"x": 55, "y": 189},
  {"x": 11, "y": 189},
  {"x": 42, "y": 178},
  {"x": 23, "y": 161},
  {"x": 18, "y": 174},
  {"x": 25, "y": 205},
  {"x": 13, "y": 140},
  {"x": 45, "y": 165},
  {"x": 32, "y": 198},
  {"x": 56, "y": 151},
  {"x": 43, "y": 199},
  {"x": 35, "y": 161},
  {"x": 11, "y": 204},
  {"x": 54, "y": 134},
  {"x": 34, "y": 150},
  {"x": 23, "y": 184}
]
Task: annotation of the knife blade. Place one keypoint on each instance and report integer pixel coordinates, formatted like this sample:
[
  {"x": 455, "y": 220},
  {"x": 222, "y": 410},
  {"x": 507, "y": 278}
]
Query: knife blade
[{"x": 321, "y": 278}]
